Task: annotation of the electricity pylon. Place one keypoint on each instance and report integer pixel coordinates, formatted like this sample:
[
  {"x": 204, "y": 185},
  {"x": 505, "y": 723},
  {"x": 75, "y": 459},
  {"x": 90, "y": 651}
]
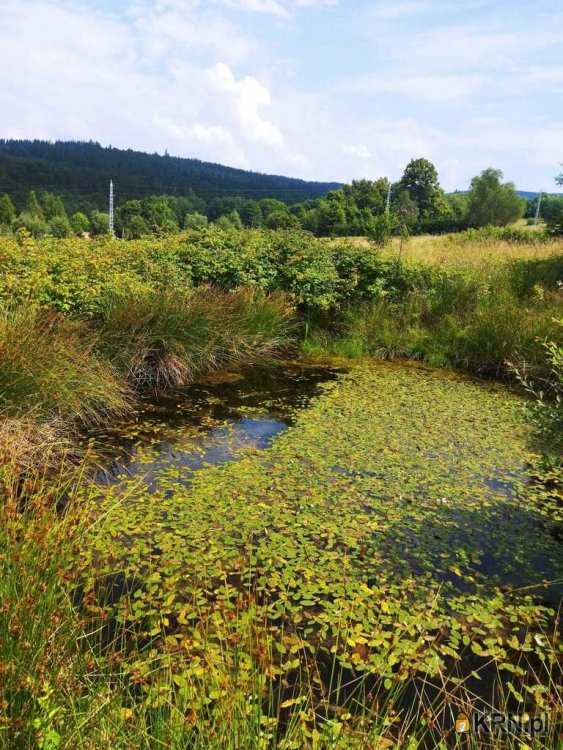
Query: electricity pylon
[{"x": 111, "y": 210}]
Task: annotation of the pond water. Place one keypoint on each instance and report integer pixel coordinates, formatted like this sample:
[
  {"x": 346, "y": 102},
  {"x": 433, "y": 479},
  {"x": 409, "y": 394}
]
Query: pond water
[
  {"x": 212, "y": 422},
  {"x": 229, "y": 416},
  {"x": 385, "y": 508}
]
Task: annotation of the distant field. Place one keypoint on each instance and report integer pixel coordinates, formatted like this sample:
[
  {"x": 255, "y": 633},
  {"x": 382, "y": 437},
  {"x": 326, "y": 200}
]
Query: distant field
[{"x": 452, "y": 250}]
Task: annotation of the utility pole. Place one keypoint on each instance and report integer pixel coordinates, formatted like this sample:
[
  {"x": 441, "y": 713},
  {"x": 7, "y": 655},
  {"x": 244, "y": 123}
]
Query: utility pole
[
  {"x": 111, "y": 210},
  {"x": 540, "y": 196}
]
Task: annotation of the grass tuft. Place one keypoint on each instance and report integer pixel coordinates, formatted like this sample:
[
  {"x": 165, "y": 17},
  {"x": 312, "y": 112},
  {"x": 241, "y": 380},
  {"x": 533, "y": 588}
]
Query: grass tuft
[
  {"x": 165, "y": 340},
  {"x": 49, "y": 366}
]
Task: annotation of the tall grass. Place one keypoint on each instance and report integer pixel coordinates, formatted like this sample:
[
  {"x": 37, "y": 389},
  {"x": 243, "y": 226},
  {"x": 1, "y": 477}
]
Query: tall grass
[
  {"x": 49, "y": 367},
  {"x": 469, "y": 320},
  {"x": 166, "y": 339},
  {"x": 476, "y": 248}
]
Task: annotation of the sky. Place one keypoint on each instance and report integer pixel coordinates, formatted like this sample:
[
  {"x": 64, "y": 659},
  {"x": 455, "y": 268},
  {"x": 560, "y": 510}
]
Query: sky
[{"x": 318, "y": 89}]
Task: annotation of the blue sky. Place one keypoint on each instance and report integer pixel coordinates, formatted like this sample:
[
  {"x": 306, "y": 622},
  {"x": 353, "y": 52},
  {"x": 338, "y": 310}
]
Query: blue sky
[{"x": 320, "y": 89}]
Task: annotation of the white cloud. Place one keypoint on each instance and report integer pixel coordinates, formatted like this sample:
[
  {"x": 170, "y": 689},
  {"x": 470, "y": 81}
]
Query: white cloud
[
  {"x": 388, "y": 11},
  {"x": 184, "y": 75},
  {"x": 281, "y": 8},
  {"x": 476, "y": 47},
  {"x": 247, "y": 97},
  {"x": 358, "y": 151},
  {"x": 132, "y": 83},
  {"x": 259, "y": 6},
  {"x": 430, "y": 88}
]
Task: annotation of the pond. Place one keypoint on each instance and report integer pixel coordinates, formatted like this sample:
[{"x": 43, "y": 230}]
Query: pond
[
  {"x": 381, "y": 516},
  {"x": 211, "y": 422}
]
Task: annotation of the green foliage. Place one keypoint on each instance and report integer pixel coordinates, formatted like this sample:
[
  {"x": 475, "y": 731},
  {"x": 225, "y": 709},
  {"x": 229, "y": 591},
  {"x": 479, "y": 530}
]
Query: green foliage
[
  {"x": 136, "y": 228},
  {"x": 251, "y": 214},
  {"x": 7, "y": 210},
  {"x": 159, "y": 216},
  {"x": 552, "y": 213},
  {"x": 59, "y": 227},
  {"x": 406, "y": 210},
  {"x": 99, "y": 223},
  {"x": 453, "y": 324},
  {"x": 271, "y": 205},
  {"x": 79, "y": 223},
  {"x": 418, "y": 205},
  {"x": 231, "y": 220},
  {"x": 380, "y": 229},
  {"x": 32, "y": 223},
  {"x": 546, "y": 387},
  {"x": 81, "y": 171},
  {"x": 75, "y": 277},
  {"x": 281, "y": 220},
  {"x": 492, "y": 202},
  {"x": 195, "y": 221},
  {"x": 33, "y": 207},
  {"x": 420, "y": 181},
  {"x": 52, "y": 206}
]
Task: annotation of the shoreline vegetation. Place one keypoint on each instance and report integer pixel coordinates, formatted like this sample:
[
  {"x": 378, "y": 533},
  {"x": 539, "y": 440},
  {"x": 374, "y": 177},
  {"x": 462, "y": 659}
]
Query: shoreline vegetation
[{"x": 89, "y": 327}]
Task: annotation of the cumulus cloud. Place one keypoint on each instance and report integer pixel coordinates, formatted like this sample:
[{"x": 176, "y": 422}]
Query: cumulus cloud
[
  {"x": 209, "y": 79},
  {"x": 130, "y": 83}
]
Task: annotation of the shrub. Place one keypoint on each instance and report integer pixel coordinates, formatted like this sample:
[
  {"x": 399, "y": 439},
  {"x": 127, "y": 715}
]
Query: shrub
[
  {"x": 59, "y": 227},
  {"x": 195, "y": 221},
  {"x": 80, "y": 223}
]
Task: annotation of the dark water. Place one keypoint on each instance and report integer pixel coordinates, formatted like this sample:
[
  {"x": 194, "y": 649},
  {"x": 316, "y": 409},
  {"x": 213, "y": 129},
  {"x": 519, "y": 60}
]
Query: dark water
[{"x": 208, "y": 423}]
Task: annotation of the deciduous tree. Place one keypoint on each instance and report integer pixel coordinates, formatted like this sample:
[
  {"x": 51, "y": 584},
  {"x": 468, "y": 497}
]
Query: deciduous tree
[{"x": 492, "y": 202}]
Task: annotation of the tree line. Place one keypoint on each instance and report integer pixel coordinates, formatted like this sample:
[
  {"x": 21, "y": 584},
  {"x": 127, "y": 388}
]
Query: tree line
[
  {"x": 377, "y": 209},
  {"x": 80, "y": 173}
]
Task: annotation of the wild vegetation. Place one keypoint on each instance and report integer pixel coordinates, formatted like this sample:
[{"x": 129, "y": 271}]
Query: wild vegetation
[{"x": 349, "y": 588}]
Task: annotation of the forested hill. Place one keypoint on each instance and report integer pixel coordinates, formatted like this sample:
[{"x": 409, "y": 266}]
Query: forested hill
[{"x": 80, "y": 173}]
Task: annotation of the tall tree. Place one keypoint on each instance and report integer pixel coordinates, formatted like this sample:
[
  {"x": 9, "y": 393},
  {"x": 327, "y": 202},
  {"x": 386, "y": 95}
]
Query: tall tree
[
  {"x": 79, "y": 223},
  {"x": 420, "y": 180},
  {"x": 368, "y": 194},
  {"x": 158, "y": 215},
  {"x": 52, "y": 206},
  {"x": 33, "y": 207},
  {"x": 251, "y": 214},
  {"x": 7, "y": 210},
  {"x": 195, "y": 221},
  {"x": 492, "y": 202}
]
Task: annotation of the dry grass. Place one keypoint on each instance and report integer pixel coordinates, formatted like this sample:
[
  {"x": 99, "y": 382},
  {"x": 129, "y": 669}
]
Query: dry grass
[
  {"x": 34, "y": 455},
  {"x": 448, "y": 250}
]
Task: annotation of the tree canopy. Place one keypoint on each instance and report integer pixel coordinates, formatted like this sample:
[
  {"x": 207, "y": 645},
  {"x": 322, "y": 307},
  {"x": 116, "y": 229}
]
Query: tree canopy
[{"x": 492, "y": 202}]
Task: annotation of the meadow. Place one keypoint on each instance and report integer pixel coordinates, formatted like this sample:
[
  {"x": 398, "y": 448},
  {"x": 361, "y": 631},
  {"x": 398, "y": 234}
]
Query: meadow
[{"x": 388, "y": 561}]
